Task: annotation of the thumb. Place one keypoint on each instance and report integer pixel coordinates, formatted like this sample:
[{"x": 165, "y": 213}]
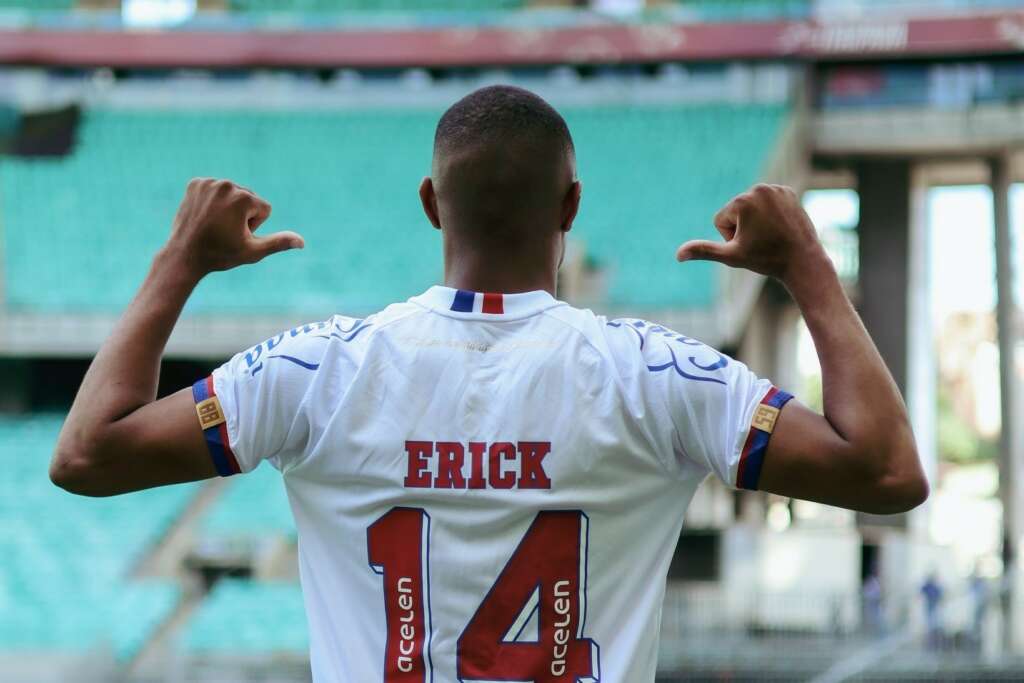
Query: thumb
[
  {"x": 706, "y": 250},
  {"x": 279, "y": 241}
]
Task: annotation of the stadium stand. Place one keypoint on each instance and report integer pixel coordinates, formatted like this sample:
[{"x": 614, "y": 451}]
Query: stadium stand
[
  {"x": 240, "y": 617},
  {"x": 253, "y": 505},
  {"x": 346, "y": 179},
  {"x": 65, "y": 561},
  {"x": 747, "y": 10},
  {"x": 300, "y": 6},
  {"x": 49, "y": 5}
]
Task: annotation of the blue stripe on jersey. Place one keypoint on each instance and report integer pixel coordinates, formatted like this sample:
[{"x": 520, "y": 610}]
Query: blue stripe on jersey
[
  {"x": 755, "y": 459},
  {"x": 463, "y": 301}
]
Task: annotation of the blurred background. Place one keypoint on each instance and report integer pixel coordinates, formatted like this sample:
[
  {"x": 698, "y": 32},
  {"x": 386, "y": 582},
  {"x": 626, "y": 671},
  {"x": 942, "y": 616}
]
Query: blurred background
[{"x": 901, "y": 121}]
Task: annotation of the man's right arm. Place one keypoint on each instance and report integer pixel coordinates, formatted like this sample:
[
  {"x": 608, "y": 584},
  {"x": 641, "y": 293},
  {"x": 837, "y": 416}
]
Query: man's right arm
[{"x": 860, "y": 454}]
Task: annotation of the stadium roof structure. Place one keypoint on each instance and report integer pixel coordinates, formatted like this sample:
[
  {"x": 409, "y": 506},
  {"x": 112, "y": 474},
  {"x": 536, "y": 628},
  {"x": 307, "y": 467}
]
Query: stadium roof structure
[{"x": 594, "y": 41}]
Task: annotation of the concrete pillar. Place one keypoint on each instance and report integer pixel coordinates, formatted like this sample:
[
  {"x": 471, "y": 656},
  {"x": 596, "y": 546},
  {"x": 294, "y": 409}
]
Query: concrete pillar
[
  {"x": 894, "y": 286},
  {"x": 884, "y": 187},
  {"x": 922, "y": 366},
  {"x": 883, "y": 235},
  {"x": 1010, "y": 469}
]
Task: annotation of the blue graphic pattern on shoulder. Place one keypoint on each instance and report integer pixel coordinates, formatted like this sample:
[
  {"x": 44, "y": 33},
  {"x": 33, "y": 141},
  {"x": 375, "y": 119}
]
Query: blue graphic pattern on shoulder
[
  {"x": 716, "y": 361},
  {"x": 634, "y": 326},
  {"x": 254, "y": 356},
  {"x": 348, "y": 335},
  {"x": 297, "y": 361}
]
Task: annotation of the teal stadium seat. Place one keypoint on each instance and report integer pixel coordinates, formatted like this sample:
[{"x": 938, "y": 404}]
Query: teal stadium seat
[
  {"x": 305, "y": 6},
  {"x": 65, "y": 561},
  {"x": 37, "y": 5},
  {"x": 80, "y": 231},
  {"x": 252, "y": 506},
  {"x": 748, "y": 10},
  {"x": 245, "y": 617}
]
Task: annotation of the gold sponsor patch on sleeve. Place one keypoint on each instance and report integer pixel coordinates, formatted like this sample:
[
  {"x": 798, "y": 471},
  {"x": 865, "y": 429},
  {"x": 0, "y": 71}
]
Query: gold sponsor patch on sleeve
[
  {"x": 765, "y": 417},
  {"x": 210, "y": 413}
]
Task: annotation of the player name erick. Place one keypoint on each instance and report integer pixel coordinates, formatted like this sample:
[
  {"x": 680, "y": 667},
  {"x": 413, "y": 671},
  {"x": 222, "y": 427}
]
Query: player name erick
[{"x": 477, "y": 465}]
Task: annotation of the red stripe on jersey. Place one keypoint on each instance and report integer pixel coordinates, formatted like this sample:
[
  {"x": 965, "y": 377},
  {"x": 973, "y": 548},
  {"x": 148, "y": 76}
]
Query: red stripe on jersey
[{"x": 493, "y": 303}]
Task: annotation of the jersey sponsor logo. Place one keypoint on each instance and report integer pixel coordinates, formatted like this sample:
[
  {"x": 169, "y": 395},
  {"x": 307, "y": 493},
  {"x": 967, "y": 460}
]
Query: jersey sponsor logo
[
  {"x": 563, "y": 622},
  {"x": 477, "y": 465}
]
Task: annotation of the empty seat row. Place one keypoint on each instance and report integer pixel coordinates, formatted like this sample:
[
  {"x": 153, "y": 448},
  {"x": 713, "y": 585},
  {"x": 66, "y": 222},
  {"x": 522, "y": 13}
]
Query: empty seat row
[{"x": 80, "y": 231}]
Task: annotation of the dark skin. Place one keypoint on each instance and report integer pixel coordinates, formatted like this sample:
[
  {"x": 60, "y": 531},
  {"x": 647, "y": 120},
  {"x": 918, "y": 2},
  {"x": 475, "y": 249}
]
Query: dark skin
[
  {"x": 480, "y": 199},
  {"x": 503, "y": 217}
]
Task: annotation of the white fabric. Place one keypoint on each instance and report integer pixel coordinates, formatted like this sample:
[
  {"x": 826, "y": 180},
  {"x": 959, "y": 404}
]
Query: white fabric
[{"x": 633, "y": 432}]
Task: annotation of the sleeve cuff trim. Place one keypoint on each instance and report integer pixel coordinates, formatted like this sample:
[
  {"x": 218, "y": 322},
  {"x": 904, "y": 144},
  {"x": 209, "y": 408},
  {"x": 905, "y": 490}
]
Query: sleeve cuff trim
[
  {"x": 215, "y": 427},
  {"x": 762, "y": 423}
]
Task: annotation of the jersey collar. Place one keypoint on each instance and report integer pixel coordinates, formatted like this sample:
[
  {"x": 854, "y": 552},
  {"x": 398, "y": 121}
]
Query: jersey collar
[{"x": 463, "y": 303}]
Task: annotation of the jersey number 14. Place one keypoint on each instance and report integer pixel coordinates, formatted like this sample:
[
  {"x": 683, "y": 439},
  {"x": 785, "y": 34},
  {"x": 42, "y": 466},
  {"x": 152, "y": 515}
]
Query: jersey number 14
[{"x": 543, "y": 577}]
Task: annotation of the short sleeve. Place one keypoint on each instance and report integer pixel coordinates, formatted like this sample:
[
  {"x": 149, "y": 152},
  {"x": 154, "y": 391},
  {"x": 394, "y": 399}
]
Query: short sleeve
[
  {"x": 700, "y": 407},
  {"x": 252, "y": 407}
]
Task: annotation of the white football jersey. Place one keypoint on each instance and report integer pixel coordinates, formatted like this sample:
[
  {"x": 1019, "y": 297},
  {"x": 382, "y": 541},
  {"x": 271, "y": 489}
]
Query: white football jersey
[{"x": 487, "y": 487}]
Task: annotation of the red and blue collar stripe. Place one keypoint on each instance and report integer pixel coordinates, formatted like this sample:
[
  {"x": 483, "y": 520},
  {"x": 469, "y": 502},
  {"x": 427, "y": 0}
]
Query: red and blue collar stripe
[
  {"x": 215, "y": 427},
  {"x": 465, "y": 301},
  {"x": 748, "y": 473}
]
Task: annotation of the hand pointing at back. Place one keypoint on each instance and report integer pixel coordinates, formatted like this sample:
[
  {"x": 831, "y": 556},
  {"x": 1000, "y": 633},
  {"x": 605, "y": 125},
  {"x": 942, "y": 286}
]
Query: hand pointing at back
[
  {"x": 213, "y": 229},
  {"x": 766, "y": 230}
]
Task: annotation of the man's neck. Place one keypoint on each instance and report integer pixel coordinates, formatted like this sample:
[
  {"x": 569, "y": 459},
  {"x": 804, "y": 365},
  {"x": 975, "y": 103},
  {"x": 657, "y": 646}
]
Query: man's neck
[{"x": 497, "y": 275}]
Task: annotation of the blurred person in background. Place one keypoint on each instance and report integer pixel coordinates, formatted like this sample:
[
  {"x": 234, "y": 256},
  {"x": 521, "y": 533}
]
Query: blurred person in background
[
  {"x": 871, "y": 602},
  {"x": 977, "y": 586},
  {"x": 932, "y": 592}
]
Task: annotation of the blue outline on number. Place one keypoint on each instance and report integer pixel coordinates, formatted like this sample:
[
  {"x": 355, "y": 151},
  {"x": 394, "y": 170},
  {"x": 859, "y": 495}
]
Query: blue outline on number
[
  {"x": 595, "y": 661},
  {"x": 535, "y": 610},
  {"x": 430, "y": 609},
  {"x": 425, "y": 560}
]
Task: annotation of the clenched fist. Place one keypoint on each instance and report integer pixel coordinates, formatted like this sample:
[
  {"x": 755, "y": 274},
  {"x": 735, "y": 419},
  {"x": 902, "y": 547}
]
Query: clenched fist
[
  {"x": 766, "y": 230},
  {"x": 213, "y": 229}
]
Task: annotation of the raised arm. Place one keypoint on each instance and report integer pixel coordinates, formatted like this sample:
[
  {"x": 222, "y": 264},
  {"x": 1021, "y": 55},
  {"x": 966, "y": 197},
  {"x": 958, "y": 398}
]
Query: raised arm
[
  {"x": 861, "y": 453},
  {"x": 117, "y": 437}
]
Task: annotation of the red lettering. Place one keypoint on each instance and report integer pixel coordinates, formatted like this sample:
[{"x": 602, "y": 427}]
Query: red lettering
[
  {"x": 531, "y": 468},
  {"x": 450, "y": 455},
  {"x": 451, "y": 460},
  {"x": 418, "y": 476},
  {"x": 497, "y": 478},
  {"x": 476, "y": 465}
]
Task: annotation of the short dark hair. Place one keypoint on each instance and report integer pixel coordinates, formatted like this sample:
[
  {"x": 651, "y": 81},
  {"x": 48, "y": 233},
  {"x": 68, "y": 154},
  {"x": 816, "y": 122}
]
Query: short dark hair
[{"x": 498, "y": 112}]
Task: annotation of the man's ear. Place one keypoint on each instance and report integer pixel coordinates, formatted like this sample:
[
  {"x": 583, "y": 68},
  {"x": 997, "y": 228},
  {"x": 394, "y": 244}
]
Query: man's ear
[
  {"x": 429, "y": 201},
  {"x": 571, "y": 205}
]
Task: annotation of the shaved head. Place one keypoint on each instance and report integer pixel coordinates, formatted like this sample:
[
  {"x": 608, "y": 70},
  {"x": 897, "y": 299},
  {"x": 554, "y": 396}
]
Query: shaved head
[
  {"x": 492, "y": 115},
  {"x": 502, "y": 186},
  {"x": 503, "y": 160}
]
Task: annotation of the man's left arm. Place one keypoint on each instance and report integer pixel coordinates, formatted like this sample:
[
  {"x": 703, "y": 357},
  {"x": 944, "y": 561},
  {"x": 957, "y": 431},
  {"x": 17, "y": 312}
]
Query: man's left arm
[{"x": 117, "y": 437}]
